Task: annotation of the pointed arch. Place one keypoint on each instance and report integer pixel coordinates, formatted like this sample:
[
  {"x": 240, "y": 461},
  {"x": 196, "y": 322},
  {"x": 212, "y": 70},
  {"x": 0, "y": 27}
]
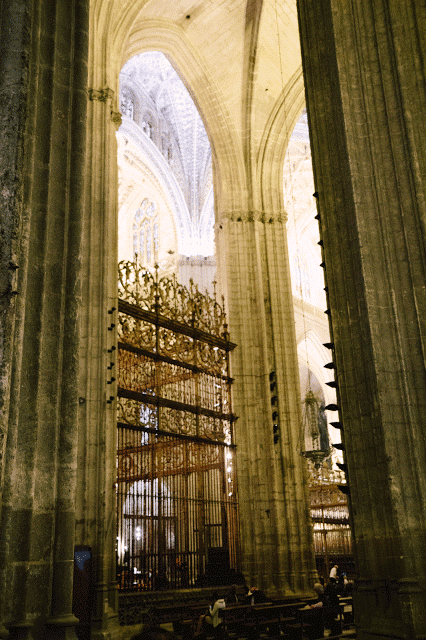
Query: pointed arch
[
  {"x": 275, "y": 141},
  {"x": 227, "y": 157}
]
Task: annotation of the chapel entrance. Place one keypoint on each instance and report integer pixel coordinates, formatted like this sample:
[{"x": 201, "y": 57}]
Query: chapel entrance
[{"x": 177, "y": 509}]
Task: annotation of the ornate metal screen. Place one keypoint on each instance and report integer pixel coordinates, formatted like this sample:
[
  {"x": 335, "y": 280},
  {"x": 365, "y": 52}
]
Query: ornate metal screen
[
  {"x": 176, "y": 480},
  {"x": 330, "y": 516}
]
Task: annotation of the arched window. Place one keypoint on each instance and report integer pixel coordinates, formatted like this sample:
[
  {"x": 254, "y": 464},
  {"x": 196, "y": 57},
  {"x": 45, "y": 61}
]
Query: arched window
[{"x": 145, "y": 233}]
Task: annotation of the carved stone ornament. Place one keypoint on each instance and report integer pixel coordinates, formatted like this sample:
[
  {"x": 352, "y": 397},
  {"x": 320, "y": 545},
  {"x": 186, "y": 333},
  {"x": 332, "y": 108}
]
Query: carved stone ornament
[
  {"x": 102, "y": 95},
  {"x": 266, "y": 217},
  {"x": 116, "y": 118}
]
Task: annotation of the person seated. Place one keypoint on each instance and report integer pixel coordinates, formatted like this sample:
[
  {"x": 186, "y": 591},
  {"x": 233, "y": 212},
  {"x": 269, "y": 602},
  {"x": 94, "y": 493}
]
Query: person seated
[
  {"x": 342, "y": 584},
  {"x": 322, "y": 600},
  {"x": 255, "y": 596},
  {"x": 313, "y": 614},
  {"x": 332, "y": 610},
  {"x": 232, "y": 596},
  {"x": 212, "y": 617}
]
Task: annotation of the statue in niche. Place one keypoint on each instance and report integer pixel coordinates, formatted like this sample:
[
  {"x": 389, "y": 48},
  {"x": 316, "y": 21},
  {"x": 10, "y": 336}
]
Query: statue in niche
[
  {"x": 126, "y": 107},
  {"x": 147, "y": 128},
  {"x": 166, "y": 146}
]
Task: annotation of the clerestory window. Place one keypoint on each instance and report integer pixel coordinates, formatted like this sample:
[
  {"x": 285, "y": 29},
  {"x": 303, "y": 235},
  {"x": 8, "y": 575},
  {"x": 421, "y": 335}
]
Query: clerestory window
[{"x": 145, "y": 233}]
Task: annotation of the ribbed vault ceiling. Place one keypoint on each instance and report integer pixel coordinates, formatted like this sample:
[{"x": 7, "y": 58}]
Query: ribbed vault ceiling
[{"x": 160, "y": 90}]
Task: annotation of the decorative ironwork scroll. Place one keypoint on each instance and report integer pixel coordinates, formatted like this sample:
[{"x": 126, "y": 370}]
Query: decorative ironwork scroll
[
  {"x": 176, "y": 480},
  {"x": 189, "y": 306}
]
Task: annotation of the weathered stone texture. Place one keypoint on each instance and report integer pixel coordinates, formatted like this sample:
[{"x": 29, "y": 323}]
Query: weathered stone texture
[
  {"x": 14, "y": 47},
  {"x": 261, "y": 320},
  {"x": 43, "y": 139},
  {"x": 364, "y": 71},
  {"x": 371, "y": 198}
]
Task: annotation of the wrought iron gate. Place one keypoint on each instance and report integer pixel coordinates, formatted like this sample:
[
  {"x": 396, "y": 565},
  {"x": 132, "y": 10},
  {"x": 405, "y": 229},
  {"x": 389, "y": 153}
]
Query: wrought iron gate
[{"x": 176, "y": 481}]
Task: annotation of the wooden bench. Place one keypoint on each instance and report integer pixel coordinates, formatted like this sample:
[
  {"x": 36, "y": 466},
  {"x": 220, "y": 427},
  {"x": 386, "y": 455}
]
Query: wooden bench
[
  {"x": 251, "y": 621},
  {"x": 347, "y": 611},
  {"x": 241, "y": 620},
  {"x": 274, "y": 620},
  {"x": 183, "y": 617},
  {"x": 238, "y": 620},
  {"x": 170, "y": 613},
  {"x": 311, "y": 622}
]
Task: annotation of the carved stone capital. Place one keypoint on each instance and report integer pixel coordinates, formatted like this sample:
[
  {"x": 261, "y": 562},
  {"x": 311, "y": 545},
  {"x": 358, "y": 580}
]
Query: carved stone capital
[
  {"x": 116, "y": 119},
  {"x": 265, "y": 217},
  {"x": 101, "y": 95}
]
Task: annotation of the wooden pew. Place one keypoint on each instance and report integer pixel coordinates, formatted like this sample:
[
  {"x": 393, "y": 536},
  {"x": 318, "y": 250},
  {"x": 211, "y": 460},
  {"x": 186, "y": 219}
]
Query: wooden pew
[
  {"x": 274, "y": 619},
  {"x": 348, "y": 616},
  {"x": 238, "y": 620},
  {"x": 170, "y": 613},
  {"x": 251, "y": 621}
]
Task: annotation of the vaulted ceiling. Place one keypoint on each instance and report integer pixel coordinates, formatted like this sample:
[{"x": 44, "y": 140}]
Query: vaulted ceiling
[
  {"x": 240, "y": 61},
  {"x": 178, "y": 132}
]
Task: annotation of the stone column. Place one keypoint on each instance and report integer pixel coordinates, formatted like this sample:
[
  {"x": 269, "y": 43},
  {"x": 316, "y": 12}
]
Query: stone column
[
  {"x": 276, "y": 533},
  {"x": 97, "y": 389},
  {"x": 14, "y": 44},
  {"x": 364, "y": 73},
  {"x": 48, "y": 42}
]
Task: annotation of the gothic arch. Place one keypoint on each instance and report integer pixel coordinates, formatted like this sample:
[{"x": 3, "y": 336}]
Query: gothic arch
[
  {"x": 275, "y": 140},
  {"x": 253, "y": 257},
  {"x": 227, "y": 160}
]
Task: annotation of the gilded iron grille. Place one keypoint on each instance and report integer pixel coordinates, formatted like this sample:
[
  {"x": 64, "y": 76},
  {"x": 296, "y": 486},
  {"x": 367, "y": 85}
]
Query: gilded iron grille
[
  {"x": 331, "y": 524},
  {"x": 176, "y": 478}
]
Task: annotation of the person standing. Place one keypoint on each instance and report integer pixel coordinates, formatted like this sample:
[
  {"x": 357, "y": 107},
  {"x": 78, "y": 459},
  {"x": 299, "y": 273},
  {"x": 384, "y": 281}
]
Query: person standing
[{"x": 333, "y": 574}]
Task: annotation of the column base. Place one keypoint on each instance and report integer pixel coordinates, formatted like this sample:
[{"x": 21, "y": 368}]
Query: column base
[
  {"x": 20, "y": 631},
  {"x": 61, "y": 628},
  {"x": 4, "y": 633}
]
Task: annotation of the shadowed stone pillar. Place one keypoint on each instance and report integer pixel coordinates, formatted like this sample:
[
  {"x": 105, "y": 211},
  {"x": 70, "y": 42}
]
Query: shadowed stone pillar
[
  {"x": 276, "y": 533},
  {"x": 365, "y": 88},
  {"x": 43, "y": 78},
  {"x": 14, "y": 49}
]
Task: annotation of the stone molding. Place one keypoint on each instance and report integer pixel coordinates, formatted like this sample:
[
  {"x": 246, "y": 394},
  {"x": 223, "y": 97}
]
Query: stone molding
[{"x": 197, "y": 261}]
